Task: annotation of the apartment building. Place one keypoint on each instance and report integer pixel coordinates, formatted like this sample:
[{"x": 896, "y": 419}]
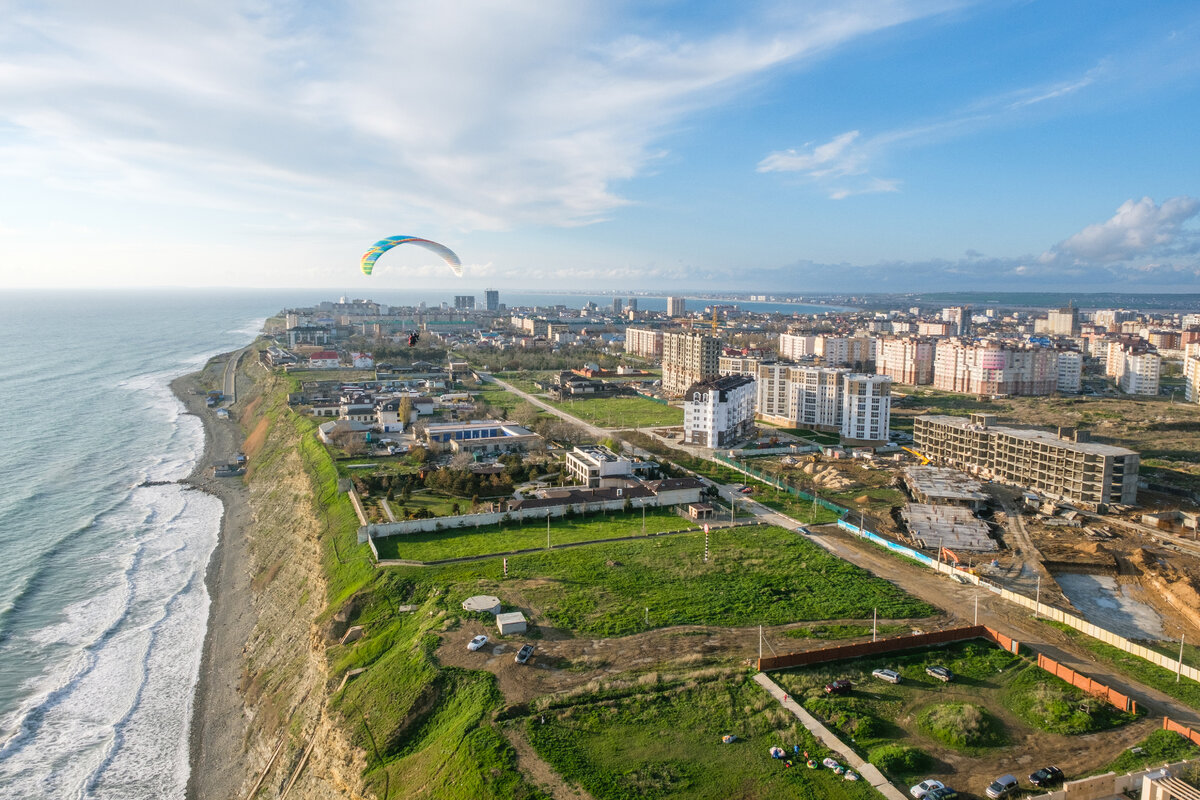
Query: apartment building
[
  {"x": 815, "y": 397},
  {"x": 1135, "y": 365},
  {"x": 738, "y": 365},
  {"x": 688, "y": 357},
  {"x": 906, "y": 360},
  {"x": 933, "y": 329},
  {"x": 798, "y": 346},
  {"x": 1063, "y": 321},
  {"x": 719, "y": 412},
  {"x": 1070, "y": 371},
  {"x": 866, "y": 409},
  {"x": 959, "y": 318},
  {"x": 596, "y": 466},
  {"x": 1067, "y": 466},
  {"x": 847, "y": 351},
  {"x": 644, "y": 342},
  {"x": 992, "y": 368},
  {"x": 676, "y": 307},
  {"x": 771, "y": 395}
]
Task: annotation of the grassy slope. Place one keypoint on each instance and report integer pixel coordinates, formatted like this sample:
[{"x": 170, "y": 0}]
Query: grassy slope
[{"x": 426, "y": 730}]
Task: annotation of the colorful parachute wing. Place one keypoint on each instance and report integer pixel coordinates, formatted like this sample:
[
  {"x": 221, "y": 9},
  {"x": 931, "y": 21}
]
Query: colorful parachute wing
[{"x": 383, "y": 245}]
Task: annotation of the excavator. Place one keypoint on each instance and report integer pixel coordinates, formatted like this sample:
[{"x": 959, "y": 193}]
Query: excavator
[{"x": 925, "y": 460}]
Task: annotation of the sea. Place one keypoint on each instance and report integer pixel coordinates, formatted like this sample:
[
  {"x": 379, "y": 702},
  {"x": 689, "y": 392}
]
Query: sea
[{"x": 103, "y": 603}]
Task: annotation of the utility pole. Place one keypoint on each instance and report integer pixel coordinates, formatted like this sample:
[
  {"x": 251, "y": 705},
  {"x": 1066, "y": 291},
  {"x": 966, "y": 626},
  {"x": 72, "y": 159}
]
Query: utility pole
[
  {"x": 874, "y": 623},
  {"x": 1179, "y": 666},
  {"x": 976, "y": 606},
  {"x": 760, "y": 642},
  {"x": 646, "y": 619},
  {"x": 643, "y": 518},
  {"x": 1038, "y": 600},
  {"x": 547, "y": 531}
]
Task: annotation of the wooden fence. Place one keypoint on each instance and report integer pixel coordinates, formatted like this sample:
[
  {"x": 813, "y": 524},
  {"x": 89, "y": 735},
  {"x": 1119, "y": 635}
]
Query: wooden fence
[{"x": 889, "y": 645}]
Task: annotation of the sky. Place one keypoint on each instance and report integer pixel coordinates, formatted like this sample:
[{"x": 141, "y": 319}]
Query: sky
[{"x": 790, "y": 147}]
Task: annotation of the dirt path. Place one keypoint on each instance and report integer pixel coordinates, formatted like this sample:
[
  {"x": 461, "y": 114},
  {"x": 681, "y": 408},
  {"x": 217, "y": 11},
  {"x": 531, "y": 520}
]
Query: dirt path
[{"x": 538, "y": 772}]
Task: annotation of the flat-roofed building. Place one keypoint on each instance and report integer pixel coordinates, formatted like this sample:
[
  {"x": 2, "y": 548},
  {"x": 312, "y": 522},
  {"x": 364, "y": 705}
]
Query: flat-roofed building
[
  {"x": 1067, "y": 466},
  {"x": 992, "y": 368},
  {"x": 644, "y": 342},
  {"x": 479, "y": 436},
  {"x": 688, "y": 357},
  {"x": 906, "y": 359},
  {"x": 595, "y": 465},
  {"x": 719, "y": 412},
  {"x": 866, "y": 409},
  {"x": 798, "y": 346}
]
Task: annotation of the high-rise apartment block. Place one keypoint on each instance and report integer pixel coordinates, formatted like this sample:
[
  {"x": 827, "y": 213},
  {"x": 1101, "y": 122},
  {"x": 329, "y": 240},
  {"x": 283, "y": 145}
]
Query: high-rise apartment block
[
  {"x": 866, "y": 409},
  {"x": 644, "y": 342},
  {"x": 1070, "y": 371},
  {"x": 990, "y": 368},
  {"x": 491, "y": 299},
  {"x": 798, "y": 346},
  {"x": 847, "y": 351},
  {"x": 687, "y": 358},
  {"x": 959, "y": 318},
  {"x": 1135, "y": 365},
  {"x": 1063, "y": 322},
  {"x": 464, "y": 302},
  {"x": 631, "y": 304},
  {"x": 1067, "y": 466},
  {"x": 906, "y": 360},
  {"x": 676, "y": 307},
  {"x": 719, "y": 412},
  {"x": 618, "y": 303},
  {"x": 1191, "y": 372}
]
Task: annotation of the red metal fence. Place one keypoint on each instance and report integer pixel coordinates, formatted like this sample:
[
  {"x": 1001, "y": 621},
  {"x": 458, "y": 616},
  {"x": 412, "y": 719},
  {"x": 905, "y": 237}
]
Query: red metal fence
[
  {"x": 889, "y": 645},
  {"x": 1182, "y": 730},
  {"x": 1112, "y": 696}
]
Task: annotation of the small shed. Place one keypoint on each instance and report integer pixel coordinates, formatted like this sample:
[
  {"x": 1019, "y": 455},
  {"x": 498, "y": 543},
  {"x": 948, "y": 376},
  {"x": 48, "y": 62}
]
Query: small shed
[
  {"x": 512, "y": 622},
  {"x": 482, "y": 602}
]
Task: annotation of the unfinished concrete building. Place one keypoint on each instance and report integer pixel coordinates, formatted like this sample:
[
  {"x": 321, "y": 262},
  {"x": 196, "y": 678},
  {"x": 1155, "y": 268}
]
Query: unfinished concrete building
[{"x": 1065, "y": 466}]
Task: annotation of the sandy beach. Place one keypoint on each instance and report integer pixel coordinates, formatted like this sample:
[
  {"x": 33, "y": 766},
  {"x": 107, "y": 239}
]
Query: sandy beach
[{"x": 217, "y": 756}]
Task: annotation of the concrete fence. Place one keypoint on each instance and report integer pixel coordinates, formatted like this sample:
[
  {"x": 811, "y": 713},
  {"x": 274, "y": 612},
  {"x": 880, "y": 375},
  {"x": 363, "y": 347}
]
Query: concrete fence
[
  {"x": 356, "y": 501},
  {"x": 1111, "y": 696},
  {"x": 1103, "y": 787},
  {"x": 385, "y": 529}
]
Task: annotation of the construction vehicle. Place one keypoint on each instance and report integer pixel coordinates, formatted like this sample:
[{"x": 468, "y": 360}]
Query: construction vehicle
[{"x": 925, "y": 460}]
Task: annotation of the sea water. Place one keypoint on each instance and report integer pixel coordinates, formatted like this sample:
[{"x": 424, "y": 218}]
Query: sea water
[{"x": 103, "y": 605}]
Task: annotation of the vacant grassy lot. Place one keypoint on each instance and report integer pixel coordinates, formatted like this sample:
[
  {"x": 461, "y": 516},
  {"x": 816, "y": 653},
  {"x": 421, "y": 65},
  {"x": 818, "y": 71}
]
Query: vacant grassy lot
[
  {"x": 754, "y": 575},
  {"x": 1160, "y": 747},
  {"x": 457, "y": 542},
  {"x": 663, "y": 740},
  {"x": 995, "y": 698},
  {"x": 797, "y": 508},
  {"x": 813, "y": 436},
  {"x": 616, "y": 412}
]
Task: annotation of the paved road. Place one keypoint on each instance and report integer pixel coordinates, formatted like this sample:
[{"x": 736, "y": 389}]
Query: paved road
[
  {"x": 230, "y": 380},
  {"x": 592, "y": 430}
]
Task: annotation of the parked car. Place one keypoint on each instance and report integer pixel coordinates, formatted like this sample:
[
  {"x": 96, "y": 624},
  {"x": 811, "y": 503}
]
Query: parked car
[
  {"x": 803, "y": 530},
  {"x": 524, "y": 654},
  {"x": 923, "y": 788},
  {"x": 747, "y": 490},
  {"x": 840, "y": 686},
  {"x": 889, "y": 675},
  {"x": 1004, "y": 786},
  {"x": 941, "y": 673},
  {"x": 945, "y": 793},
  {"x": 1046, "y": 776},
  {"x": 478, "y": 642}
]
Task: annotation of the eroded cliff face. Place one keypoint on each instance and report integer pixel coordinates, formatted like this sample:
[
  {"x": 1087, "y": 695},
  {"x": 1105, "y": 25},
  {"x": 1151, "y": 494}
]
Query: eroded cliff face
[{"x": 297, "y": 749}]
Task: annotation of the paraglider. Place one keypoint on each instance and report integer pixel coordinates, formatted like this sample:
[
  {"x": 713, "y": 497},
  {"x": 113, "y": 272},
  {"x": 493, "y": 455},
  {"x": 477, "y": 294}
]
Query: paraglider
[{"x": 383, "y": 245}]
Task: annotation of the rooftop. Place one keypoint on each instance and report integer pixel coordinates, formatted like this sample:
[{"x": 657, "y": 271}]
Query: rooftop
[{"x": 1032, "y": 434}]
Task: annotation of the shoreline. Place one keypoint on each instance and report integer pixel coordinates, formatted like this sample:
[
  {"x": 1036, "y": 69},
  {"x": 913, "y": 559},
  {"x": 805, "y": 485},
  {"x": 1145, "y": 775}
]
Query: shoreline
[{"x": 217, "y": 761}]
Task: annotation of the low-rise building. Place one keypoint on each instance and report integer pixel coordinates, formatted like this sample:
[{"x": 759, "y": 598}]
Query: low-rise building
[
  {"x": 479, "y": 436},
  {"x": 719, "y": 412},
  {"x": 595, "y": 465}
]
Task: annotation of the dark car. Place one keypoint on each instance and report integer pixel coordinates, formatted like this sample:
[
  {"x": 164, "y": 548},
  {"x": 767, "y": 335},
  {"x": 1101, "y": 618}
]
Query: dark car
[
  {"x": 945, "y": 793},
  {"x": 840, "y": 686},
  {"x": 941, "y": 673},
  {"x": 1046, "y": 776},
  {"x": 524, "y": 654}
]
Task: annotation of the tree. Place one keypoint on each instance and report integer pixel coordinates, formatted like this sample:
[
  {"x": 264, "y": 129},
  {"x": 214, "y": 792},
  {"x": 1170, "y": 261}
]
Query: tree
[
  {"x": 418, "y": 455},
  {"x": 462, "y": 460},
  {"x": 405, "y": 411},
  {"x": 454, "y": 509}
]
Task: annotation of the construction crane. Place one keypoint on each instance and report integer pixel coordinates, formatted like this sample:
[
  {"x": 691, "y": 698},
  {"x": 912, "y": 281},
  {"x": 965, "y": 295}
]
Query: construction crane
[
  {"x": 925, "y": 460},
  {"x": 714, "y": 322}
]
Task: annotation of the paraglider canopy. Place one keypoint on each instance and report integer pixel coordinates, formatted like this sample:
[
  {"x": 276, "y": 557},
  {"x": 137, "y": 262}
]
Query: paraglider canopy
[{"x": 383, "y": 245}]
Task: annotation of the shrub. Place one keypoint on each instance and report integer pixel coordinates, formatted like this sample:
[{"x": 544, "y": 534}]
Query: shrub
[
  {"x": 899, "y": 759},
  {"x": 961, "y": 725}
]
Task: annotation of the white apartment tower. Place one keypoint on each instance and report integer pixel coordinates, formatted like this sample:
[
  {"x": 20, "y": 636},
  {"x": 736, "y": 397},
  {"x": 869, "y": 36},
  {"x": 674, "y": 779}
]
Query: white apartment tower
[
  {"x": 866, "y": 409},
  {"x": 1070, "y": 371},
  {"x": 798, "y": 346},
  {"x": 719, "y": 412},
  {"x": 676, "y": 307},
  {"x": 644, "y": 342}
]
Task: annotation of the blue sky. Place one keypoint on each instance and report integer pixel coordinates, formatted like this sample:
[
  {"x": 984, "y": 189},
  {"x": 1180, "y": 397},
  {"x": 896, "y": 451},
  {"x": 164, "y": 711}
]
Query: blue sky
[{"x": 768, "y": 147}]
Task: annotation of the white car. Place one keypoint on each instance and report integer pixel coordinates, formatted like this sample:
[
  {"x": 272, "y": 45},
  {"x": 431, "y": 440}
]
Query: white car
[
  {"x": 889, "y": 675},
  {"x": 478, "y": 642},
  {"x": 925, "y": 787}
]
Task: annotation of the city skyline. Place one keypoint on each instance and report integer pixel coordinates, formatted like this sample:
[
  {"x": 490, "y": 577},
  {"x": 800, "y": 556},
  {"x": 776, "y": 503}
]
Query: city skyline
[{"x": 822, "y": 147}]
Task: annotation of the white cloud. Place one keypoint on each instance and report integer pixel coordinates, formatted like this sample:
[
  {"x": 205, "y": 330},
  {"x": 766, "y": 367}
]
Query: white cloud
[
  {"x": 467, "y": 115},
  {"x": 1139, "y": 229}
]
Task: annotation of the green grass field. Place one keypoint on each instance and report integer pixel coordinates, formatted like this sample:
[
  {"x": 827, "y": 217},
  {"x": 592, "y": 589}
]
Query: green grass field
[
  {"x": 993, "y": 694},
  {"x": 754, "y": 575},
  {"x": 617, "y": 412},
  {"x": 1160, "y": 747},
  {"x": 664, "y": 741},
  {"x": 457, "y": 542}
]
